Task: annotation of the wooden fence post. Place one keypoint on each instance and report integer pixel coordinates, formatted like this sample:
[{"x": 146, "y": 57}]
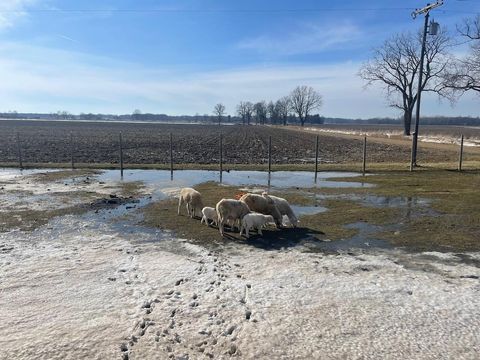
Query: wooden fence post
[
  {"x": 121, "y": 153},
  {"x": 269, "y": 155},
  {"x": 460, "y": 159},
  {"x": 316, "y": 158},
  {"x": 19, "y": 149},
  {"x": 364, "y": 154},
  {"x": 71, "y": 150},
  {"x": 171, "y": 156},
  {"x": 221, "y": 157}
]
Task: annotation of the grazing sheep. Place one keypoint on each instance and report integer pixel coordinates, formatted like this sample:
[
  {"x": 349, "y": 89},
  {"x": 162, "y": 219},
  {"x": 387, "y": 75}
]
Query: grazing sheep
[
  {"x": 193, "y": 200},
  {"x": 263, "y": 205},
  {"x": 230, "y": 210},
  {"x": 284, "y": 207},
  {"x": 255, "y": 221},
  {"x": 209, "y": 213}
]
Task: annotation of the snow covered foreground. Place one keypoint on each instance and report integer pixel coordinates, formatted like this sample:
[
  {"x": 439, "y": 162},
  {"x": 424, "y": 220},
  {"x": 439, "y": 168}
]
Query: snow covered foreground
[{"x": 93, "y": 287}]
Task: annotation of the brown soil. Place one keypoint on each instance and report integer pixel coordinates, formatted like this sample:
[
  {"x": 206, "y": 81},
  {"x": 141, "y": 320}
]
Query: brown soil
[{"x": 49, "y": 142}]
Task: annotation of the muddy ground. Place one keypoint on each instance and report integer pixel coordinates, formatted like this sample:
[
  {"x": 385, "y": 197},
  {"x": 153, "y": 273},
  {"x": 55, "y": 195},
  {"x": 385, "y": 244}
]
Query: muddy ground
[
  {"x": 100, "y": 285},
  {"x": 44, "y": 142}
]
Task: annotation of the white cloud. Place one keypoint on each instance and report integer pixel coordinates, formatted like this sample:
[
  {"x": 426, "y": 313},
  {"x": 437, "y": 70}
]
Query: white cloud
[
  {"x": 44, "y": 80},
  {"x": 310, "y": 38},
  {"x": 13, "y": 10}
]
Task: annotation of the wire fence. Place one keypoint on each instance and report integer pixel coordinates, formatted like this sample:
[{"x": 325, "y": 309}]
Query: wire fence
[{"x": 254, "y": 145}]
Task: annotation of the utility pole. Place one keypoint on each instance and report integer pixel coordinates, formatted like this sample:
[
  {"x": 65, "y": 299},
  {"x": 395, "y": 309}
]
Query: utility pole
[{"x": 433, "y": 30}]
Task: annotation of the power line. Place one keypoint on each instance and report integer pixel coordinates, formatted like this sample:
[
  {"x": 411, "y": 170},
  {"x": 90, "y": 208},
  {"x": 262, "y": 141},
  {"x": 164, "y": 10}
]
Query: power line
[
  {"x": 207, "y": 10},
  {"x": 225, "y": 11}
]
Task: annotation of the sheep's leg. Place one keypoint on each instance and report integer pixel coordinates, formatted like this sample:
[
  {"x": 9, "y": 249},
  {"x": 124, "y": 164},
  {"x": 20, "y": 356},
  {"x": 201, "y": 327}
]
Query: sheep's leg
[
  {"x": 236, "y": 224},
  {"x": 241, "y": 230},
  {"x": 220, "y": 225},
  {"x": 247, "y": 234},
  {"x": 188, "y": 208},
  {"x": 180, "y": 202},
  {"x": 204, "y": 220},
  {"x": 260, "y": 231}
]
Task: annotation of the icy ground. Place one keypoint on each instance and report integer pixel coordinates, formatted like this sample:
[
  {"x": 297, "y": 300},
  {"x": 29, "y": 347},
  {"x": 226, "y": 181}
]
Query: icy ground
[
  {"x": 98, "y": 286},
  {"x": 432, "y": 138}
]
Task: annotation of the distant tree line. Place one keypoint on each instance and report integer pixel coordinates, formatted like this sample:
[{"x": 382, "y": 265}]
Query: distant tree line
[
  {"x": 290, "y": 119},
  {"x": 294, "y": 108}
]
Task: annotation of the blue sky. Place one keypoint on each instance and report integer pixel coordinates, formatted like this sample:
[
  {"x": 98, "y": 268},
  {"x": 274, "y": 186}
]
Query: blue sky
[{"x": 182, "y": 57}]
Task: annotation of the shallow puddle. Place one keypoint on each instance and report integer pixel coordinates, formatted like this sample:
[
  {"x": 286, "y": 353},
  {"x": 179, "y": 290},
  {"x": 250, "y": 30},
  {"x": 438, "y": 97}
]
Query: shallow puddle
[
  {"x": 160, "y": 185},
  {"x": 364, "y": 239},
  {"x": 411, "y": 206},
  {"x": 378, "y": 201},
  {"x": 300, "y": 210},
  {"x": 277, "y": 179}
]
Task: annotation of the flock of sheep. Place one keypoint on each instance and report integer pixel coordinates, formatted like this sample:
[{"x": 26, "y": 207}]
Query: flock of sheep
[{"x": 251, "y": 211}]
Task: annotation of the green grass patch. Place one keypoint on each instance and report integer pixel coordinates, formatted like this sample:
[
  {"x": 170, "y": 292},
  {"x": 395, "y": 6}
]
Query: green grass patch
[
  {"x": 451, "y": 224},
  {"x": 455, "y": 198},
  {"x": 52, "y": 176}
]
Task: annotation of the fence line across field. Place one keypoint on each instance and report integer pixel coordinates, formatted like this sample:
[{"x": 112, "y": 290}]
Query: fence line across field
[
  {"x": 220, "y": 147},
  {"x": 121, "y": 149}
]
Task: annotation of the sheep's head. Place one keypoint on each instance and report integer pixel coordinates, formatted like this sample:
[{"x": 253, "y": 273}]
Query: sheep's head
[
  {"x": 239, "y": 195},
  {"x": 293, "y": 220}
]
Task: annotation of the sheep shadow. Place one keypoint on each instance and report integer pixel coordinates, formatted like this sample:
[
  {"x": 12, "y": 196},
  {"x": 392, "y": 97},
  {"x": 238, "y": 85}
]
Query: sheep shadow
[{"x": 282, "y": 238}]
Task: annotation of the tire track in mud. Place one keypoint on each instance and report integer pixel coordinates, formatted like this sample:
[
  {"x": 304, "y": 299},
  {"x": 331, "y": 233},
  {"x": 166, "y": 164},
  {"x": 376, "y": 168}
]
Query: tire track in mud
[{"x": 200, "y": 316}]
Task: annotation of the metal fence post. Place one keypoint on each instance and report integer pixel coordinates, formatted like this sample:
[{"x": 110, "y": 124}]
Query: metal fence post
[
  {"x": 316, "y": 158},
  {"x": 171, "y": 156},
  {"x": 221, "y": 157},
  {"x": 19, "y": 149},
  {"x": 460, "y": 159},
  {"x": 121, "y": 154},
  {"x": 364, "y": 154},
  {"x": 269, "y": 155},
  {"x": 71, "y": 150}
]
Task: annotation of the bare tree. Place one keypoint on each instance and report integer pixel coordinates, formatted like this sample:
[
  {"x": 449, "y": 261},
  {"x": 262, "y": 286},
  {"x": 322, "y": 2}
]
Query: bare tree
[
  {"x": 465, "y": 74},
  {"x": 63, "y": 114},
  {"x": 136, "y": 115},
  {"x": 245, "y": 111},
  {"x": 272, "y": 113},
  {"x": 395, "y": 65},
  {"x": 304, "y": 99},
  {"x": 219, "y": 112},
  {"x": 260, "y": 110},
  {"x": 283, "y": 107}
]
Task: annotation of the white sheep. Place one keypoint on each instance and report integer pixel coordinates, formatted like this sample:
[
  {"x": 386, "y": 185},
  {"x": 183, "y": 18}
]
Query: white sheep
[
  {"x": 193, "y": 200},
  {"x": 284, "y": 207},
  {"x": 263, "y": 205},
  {"x": 230, "y": 210},
  {"x": 209, "y": 213},
  {"x": 255, "y": 221}
]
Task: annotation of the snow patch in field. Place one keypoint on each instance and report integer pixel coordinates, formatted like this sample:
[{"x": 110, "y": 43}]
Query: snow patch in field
[{"x": 431, "y": 138}]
